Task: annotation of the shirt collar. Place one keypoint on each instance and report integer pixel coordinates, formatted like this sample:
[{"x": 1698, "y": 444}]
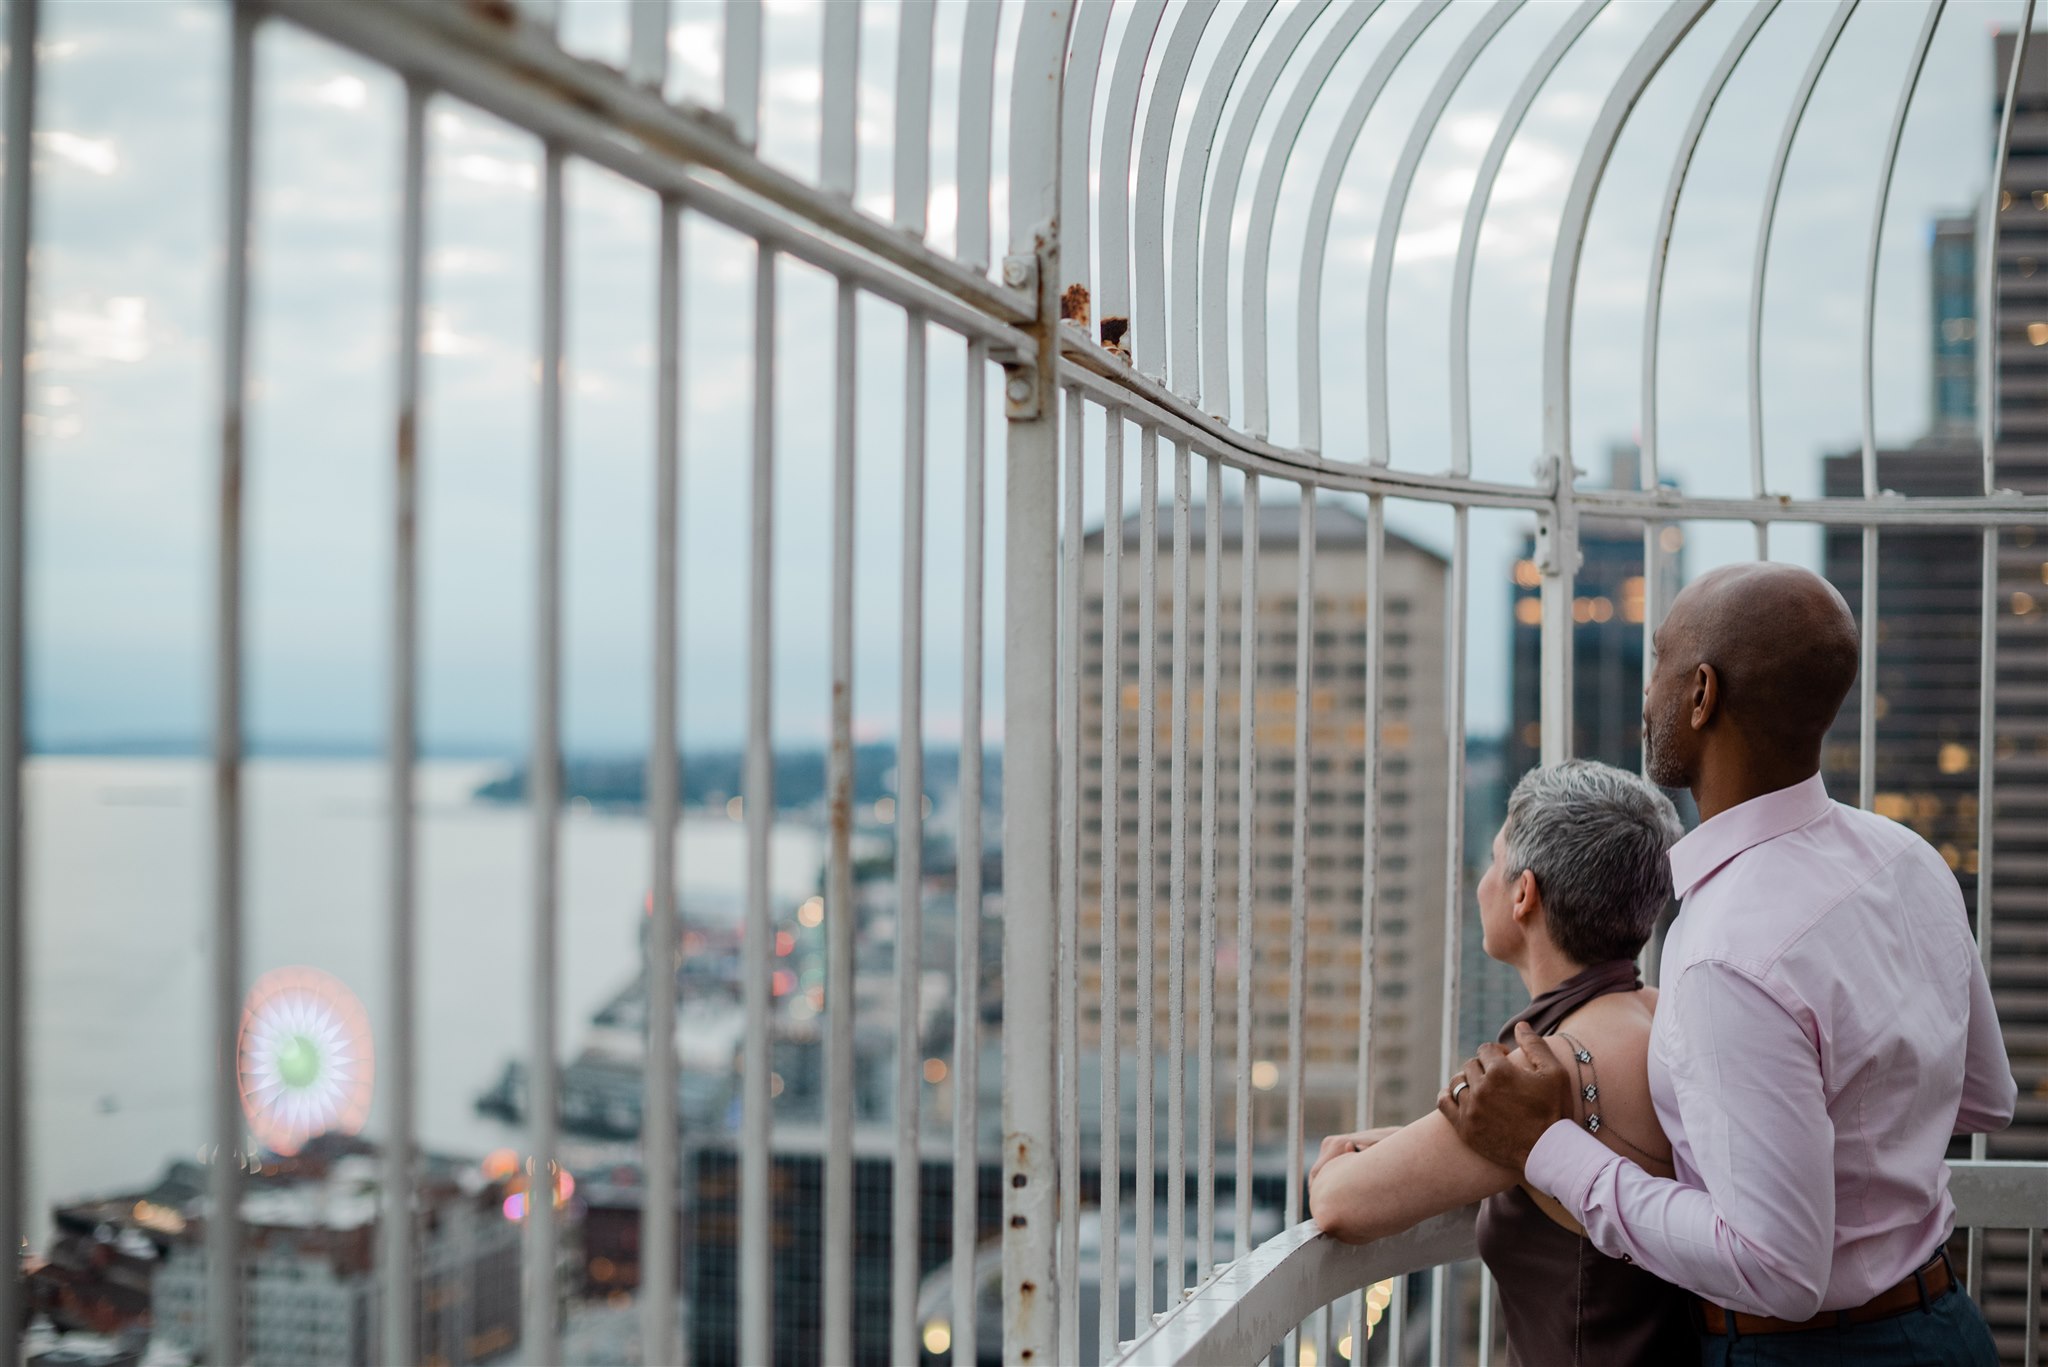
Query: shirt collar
[{"x": 1742, "y": 827}]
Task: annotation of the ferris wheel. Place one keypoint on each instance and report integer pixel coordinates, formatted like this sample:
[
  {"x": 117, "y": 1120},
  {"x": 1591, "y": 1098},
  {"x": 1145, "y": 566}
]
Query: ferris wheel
[{"x": 304, "y": 1057}]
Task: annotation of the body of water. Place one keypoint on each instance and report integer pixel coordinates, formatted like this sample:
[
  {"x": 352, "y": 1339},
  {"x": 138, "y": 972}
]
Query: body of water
[{"x": 119, "y": 931}]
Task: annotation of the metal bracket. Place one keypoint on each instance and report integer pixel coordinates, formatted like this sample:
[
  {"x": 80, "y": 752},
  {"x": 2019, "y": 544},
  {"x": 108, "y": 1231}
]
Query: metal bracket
[{"x": 1022, "y": 401}]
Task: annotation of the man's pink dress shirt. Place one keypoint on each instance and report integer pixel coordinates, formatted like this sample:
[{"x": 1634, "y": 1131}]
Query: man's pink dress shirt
[{"x": 1824, "y": 1027}]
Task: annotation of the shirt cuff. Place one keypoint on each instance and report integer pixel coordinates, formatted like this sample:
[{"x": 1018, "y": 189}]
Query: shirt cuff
[{"x": 1564, "y": 1163}]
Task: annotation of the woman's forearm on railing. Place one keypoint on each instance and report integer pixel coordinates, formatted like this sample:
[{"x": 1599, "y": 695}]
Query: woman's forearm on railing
[{"x": 1420, "y": 1170}]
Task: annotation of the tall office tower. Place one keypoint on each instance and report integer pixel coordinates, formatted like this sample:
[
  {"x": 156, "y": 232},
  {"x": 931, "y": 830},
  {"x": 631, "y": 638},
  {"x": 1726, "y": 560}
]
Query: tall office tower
[
  {"x": 1607, "y": 635},
  {"x": 1409, "y": 909},
  {"x": 1930, "y": 583}
]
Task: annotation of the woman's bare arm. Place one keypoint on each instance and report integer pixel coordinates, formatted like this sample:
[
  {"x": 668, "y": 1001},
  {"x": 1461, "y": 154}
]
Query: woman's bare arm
[{"x": 1420, "y": 1170}]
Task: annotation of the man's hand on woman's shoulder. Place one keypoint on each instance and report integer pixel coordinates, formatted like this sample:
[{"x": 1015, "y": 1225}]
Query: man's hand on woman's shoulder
[{"x": 1500, "y": 1103}]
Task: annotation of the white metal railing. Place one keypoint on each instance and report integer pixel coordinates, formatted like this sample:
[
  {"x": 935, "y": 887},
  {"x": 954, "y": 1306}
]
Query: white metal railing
[{"x": 1151, "y": 252}]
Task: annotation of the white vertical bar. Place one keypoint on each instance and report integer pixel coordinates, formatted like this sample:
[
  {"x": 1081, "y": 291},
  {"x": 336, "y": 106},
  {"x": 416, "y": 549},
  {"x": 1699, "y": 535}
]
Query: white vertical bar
[
  {"x": 2033, "y": 1297},
  {"x": 658, "y": 1111},
  {"x": 757, "y": 1158},
  {"x": 906, "y": 1173},
  {"x": 1486, "y": 1293},
  {"x": 1069, "y": 1005},
  {"x": 1369, "y": 878},
  {"x": 840, "y": 912},
  {"x": 742, "y": 74},
  {"x": 1177, "y": 909},
  {"x": 16, "y": 225},
  {"x": 1451, "y": 1050},
  {"x": 1148, "y": 820},
  {"x": 839, "y": 128},
  {"x": 977, "y": 96},
  {"x": 399, "y": 1272},
  {"x": 1030, "y": 745},
  {"x": 224, "y": 1229},
  {"x": 914, "y": 20},
  {"x": 647, "y": 45},
  {"x": 1987, "y": 665},
  {"x": 1397, "y": 1321},
  {"x": 541, "y": 1334},
  {"x": 968, "y": 851},
  {"x": 1297, "y": 922},
  {"x": 1247, "y": 862},
  {"x": 1205, "y": 1045},
  {"x": 1866, "y": 677},
  {"x": 1110, "y": 1291}
]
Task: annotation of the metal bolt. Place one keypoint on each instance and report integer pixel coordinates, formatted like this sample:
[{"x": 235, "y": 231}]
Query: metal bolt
[
  {"x": 1020, "y": 389},
  {"x": 1015, "y": 274}
]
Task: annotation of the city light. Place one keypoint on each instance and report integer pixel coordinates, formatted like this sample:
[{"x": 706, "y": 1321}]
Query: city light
[
  {"x": 736, "y": 808},
  {"x": 938, "y": 1336},
  {"x": 1265, "y": 1075},
  {"x": 785, "y": 944},
  {"x": 1953, "y": 758},
  {"x": 935, "y": 1071},
  {"x": 500, "y": 1164},
  {"x": 812, "y": 913}
]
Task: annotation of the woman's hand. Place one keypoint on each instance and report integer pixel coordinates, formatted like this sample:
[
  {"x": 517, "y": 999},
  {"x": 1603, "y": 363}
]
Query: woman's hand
[{"x": 1356, "y": 1142}]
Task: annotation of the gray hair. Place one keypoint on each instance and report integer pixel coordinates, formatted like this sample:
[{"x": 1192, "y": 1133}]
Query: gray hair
[{"x": 1596, "y": 838}]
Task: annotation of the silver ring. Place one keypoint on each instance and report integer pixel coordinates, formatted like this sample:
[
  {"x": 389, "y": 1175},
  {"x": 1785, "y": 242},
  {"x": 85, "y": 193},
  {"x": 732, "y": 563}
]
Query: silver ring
[{"x": 1459, "y": 1086}]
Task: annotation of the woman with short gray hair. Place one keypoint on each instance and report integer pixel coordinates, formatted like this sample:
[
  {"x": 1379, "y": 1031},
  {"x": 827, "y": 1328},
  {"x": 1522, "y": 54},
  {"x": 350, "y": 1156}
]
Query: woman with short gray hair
[{"x": 1578, "y": 878}]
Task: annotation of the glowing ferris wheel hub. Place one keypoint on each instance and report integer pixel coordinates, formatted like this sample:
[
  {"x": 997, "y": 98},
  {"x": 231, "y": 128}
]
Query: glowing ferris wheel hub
[{"x": 305, "y": 1058}]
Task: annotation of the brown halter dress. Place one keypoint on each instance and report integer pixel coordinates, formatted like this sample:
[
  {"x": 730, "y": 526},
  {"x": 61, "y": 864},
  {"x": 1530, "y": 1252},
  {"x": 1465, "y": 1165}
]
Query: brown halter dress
[{"x": 1566, "y": 1303}]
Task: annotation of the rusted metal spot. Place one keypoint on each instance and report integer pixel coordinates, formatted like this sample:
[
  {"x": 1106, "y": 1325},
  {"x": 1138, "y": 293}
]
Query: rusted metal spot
[
  {"x": 1016, "y": 1222},
  {"x": 1074, "y": 305},
  {"x": 502, "y": 12},
  {"x": 1113, "y": 330},
  {"x": 1028, "y": 1287},
  {"x": 407, "y": 439},
  {"x": 1019, "y": 1180}
]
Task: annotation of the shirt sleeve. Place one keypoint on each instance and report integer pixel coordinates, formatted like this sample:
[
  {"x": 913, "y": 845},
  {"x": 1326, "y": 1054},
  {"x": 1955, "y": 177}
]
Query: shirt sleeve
[
  {"x": 1758, "y": 1235},
  {"x": 1989, "y": 1092}
]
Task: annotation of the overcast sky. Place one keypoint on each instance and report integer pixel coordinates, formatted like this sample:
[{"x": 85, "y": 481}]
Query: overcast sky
[{"x": 126, "y": 312}]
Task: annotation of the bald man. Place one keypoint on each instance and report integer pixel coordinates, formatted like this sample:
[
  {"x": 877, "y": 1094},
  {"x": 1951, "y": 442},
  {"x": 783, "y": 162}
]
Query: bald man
[{"x": 1824, "y": 1025}]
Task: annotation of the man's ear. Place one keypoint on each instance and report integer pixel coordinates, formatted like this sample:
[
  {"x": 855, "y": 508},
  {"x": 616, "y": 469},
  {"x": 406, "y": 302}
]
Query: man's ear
[{"x": 1706, "y": 696}]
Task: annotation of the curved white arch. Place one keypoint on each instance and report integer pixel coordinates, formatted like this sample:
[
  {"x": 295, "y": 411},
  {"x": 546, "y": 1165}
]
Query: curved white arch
[
  {"x": 1390, "y": 219},
  {"x": 1035, "y": 81},
  {"x": 1162, "y": 114},
  {"x": 1113, "y": 184},
  {"x": 1308, "y": 299},
  {"x": 1648, "y": 58},
  {"x": 1077, "y": 129},
  {"x": 1258, "y": 249},
  {"x": 912, "y": 199},
  {"x": 1688, "y": 143},
  {"x": 1825, "y": 49},
  {"x": 1187, "y": 194},
  {"x": 977, "y": 100},
  {"x": 1475, "y": 213},
  {"x": 1884, "y": 195},
  {"x": 1222, "y": 201}
]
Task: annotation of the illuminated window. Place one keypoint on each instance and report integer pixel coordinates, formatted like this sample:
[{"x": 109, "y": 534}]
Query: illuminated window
[
  {"x": 1896, "y": 806},
  {"x": 1527, "y": 575},
  {"x": 2037, "y": 333},
  {"x": 2022, "y": 603},
  {"x": 1671, "y": 538},
  {"x": 1529, "y": 611},
  {"x": 1954, "y": 758}
]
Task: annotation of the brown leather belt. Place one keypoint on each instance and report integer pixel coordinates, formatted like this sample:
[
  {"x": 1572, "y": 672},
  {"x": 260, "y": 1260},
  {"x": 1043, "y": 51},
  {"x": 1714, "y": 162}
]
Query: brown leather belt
[{"x": 1920, "y": 1288}]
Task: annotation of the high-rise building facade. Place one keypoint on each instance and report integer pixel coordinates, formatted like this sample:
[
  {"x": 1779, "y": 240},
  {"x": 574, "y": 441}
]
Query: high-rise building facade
[
  {"x": 1408, "y": 914},
  {"x": 1930, "y": 586},
  {"x": 1610, "y": 598}
]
